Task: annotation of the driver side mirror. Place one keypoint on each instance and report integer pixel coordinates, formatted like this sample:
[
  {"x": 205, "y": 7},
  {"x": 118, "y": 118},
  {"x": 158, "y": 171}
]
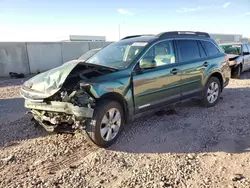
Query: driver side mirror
[
  {"x": 246, "y": 53},
  {"x": 147, "y": 63}
]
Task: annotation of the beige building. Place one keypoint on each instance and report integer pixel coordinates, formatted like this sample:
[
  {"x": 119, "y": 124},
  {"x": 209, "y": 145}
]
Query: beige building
[{"x": 224, "y": 38}]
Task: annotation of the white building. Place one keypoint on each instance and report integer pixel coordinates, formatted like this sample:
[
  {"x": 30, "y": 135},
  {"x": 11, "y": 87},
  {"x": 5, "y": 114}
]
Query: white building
[{"x": 83, "y": 38}]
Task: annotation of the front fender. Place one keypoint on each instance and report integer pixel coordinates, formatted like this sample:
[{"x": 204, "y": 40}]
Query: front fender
[
  {"x": 122, "y": 87},
  {"x": 118, "y": 86}
]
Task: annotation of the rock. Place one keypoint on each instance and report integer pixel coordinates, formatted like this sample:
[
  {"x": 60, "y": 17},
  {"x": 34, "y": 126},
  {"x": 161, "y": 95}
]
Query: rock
[
  {"x": 191, "y": 156},
  {"x": 96, "y": 160},
  {"x": 66, "y": 151},
  {"x": 8, "y": 159},
  {"x": 207, "y": 180},
  {"x": 237, "y": 177},
  {"x": 72, "y": 166},
  {"x": 101, "y": 181},
  {"x": 38, "y": 162},
  {"x": 101, "y": 173},
  {"x": 161, "y": 183},
  {"x": 123, "y": 162}
]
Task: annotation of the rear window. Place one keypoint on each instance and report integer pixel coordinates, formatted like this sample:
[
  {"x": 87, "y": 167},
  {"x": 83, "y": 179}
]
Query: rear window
[
  {"x": 188, "y": 49},
  {"x": 210, "y": 48},
  {"x": 202, "y": 51}
]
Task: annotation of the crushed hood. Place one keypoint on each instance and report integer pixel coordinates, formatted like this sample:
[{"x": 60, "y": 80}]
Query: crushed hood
[
  {"x": 51, "y": 81},
  {"x": 65, "y": 76}
]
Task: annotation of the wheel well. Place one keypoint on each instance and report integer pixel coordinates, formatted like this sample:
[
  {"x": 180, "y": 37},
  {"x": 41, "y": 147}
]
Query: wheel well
[
  {"x": 118, "y": 98},
  {"x": 219, "y": 76}
]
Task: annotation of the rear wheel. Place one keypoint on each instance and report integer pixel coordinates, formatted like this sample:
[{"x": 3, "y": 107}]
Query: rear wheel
[
  {"x": 212, "y": 92},
  {"x": 106, "y": 124}
]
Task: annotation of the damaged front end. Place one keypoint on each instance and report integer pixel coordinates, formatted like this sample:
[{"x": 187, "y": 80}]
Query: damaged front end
[
  {"x": 234, "y": 60},
  {"x": 61, "y": 99},
  {"x": 66, "y": 115}
]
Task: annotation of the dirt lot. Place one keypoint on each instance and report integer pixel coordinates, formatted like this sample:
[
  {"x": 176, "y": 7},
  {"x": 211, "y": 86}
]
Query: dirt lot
[{"x": 189, "y": 147}]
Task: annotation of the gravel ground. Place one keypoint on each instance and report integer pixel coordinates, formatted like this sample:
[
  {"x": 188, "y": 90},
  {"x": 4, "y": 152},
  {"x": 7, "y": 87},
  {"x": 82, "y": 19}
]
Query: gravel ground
[{"x": 189, "y": 146}]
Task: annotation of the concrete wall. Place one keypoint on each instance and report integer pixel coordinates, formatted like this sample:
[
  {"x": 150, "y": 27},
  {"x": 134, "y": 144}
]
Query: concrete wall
[
  {"x": 73, "y": 50},
  {"x": 13, "y": 58},
  {"x": 93, "y": 45},
  {"x": 44, "y": 56},
  {"x": 33, "y": 57}
]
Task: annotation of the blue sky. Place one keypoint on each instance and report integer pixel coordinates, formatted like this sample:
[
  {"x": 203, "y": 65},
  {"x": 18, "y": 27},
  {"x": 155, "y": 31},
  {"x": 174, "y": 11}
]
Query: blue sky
[{"x": 48, "y": 20}]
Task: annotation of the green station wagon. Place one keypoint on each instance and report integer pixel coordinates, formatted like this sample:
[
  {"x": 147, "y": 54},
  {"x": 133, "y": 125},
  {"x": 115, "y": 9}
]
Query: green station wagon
[{"x": 137, "y": 75}]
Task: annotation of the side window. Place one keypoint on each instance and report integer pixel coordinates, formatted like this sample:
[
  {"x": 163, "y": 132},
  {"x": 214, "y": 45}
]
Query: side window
[
  {"x": 161, "y": 53},
  {"x": 210, "y": 48},
  {"x": 202, "y": 51},
  {"x": 188, "y": 49},
  {"x": 244, "y": 48}
]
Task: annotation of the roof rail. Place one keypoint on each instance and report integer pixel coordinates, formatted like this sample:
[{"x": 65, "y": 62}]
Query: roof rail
[
  {"x": 171, "y": 33},
  {"x": 132, "y": 36}
]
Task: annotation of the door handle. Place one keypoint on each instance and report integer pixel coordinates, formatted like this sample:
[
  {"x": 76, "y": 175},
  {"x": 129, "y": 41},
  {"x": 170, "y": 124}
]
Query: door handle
[
  {"x": 174, "y": 71},
  {"x": 205, "y": 64}
]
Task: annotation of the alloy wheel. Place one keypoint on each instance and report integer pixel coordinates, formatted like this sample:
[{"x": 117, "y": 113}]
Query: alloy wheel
[
  {"x": 213, "y": 92},
  {"x": 110, "y": 124}
]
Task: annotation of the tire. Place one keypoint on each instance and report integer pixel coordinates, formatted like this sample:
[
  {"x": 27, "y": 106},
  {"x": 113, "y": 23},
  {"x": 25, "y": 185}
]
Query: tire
[
  {"x": 236, "y": 72},
  {"x": 101, "y": 121},
  {"x": 211, "y": 92}
]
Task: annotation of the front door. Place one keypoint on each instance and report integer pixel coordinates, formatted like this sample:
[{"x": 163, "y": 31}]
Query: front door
[{"x": 158, "y": 84}]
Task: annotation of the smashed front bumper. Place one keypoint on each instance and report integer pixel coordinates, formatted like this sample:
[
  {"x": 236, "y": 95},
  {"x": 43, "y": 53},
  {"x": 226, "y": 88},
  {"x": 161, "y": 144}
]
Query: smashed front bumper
[
  {"x": 54, "y": 115},
  {"x": 232, "y": 64}
]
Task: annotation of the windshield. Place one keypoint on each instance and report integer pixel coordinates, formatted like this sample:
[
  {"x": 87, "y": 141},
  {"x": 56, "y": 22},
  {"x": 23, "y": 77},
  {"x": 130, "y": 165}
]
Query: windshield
[
  {"x": 118, "y": 55},
  {"x": 232, "y": 49},
  {"x": 88, "y": 54}
]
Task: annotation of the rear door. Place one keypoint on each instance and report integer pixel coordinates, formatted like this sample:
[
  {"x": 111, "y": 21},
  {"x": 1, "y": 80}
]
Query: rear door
[{"x": 193, "y": 64}]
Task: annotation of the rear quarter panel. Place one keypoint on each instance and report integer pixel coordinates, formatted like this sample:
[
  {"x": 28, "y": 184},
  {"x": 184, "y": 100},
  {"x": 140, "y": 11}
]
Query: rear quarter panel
[{"x": 220, "y": 65}]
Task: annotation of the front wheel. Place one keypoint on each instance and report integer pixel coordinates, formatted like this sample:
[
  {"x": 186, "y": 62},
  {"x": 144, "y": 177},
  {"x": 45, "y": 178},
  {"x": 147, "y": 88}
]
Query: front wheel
[
  {"x": 106, "y": 124},
  {"x": 211, "y": 92}
]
